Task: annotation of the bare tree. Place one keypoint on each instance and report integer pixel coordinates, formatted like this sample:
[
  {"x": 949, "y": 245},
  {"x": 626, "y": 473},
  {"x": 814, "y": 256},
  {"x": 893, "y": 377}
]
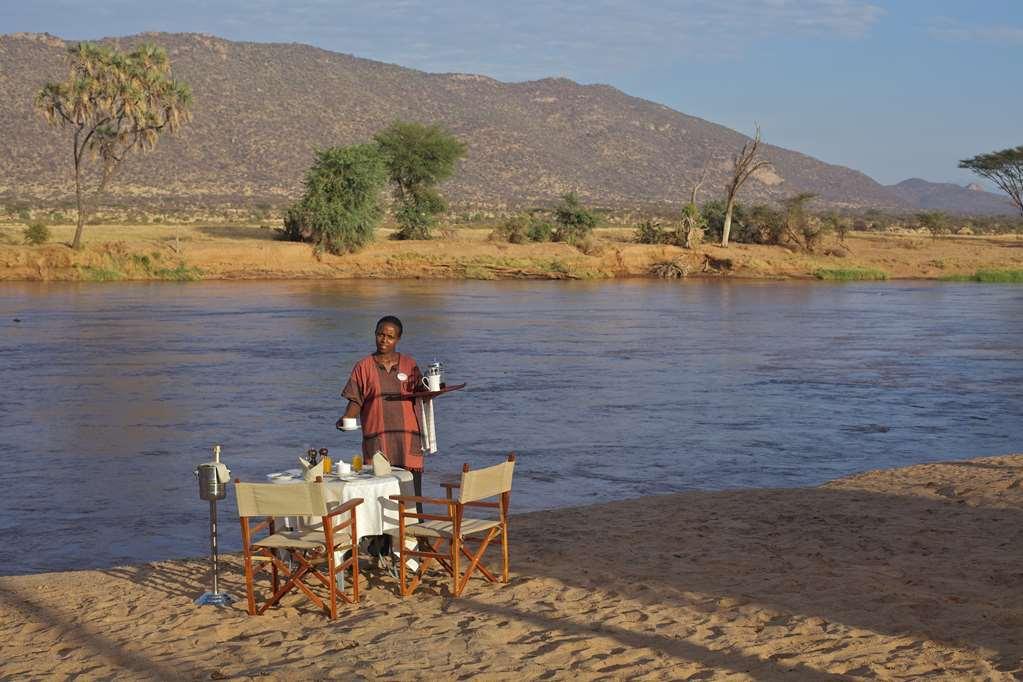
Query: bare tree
[
  {"x": 744, "y": 164},
  {"x": 699, "y": 183}
]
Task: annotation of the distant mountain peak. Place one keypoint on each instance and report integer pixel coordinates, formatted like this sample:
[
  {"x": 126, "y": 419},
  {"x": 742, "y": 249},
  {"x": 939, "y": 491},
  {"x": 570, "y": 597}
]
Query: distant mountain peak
[{"x": 946, "y": 196}]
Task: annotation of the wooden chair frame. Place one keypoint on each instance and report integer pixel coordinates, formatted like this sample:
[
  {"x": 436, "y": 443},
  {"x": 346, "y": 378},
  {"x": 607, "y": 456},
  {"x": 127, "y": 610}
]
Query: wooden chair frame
[
  {"x": 259, "y": 559},
  {"x": 450, "y": 560}
]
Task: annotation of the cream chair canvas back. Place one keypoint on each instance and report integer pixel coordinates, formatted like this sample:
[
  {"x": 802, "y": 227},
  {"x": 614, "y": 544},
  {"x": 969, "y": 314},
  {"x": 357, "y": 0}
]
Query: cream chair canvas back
[
  {"x": 272, "y": 499},
  {"x": 484, "y": 483}
]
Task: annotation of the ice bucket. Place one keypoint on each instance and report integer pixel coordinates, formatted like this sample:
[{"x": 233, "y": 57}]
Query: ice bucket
[{"x": 209, "y": 487}]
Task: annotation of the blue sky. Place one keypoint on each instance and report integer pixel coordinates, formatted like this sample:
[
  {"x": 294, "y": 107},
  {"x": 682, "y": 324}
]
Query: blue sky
[{"x": 894, "y": 88}]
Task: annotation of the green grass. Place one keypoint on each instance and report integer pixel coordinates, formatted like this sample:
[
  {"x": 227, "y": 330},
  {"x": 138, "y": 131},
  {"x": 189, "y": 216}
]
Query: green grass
[
  {"x": 989, "y": 276},
  {"x": 182, "y": 273},
  {"x": 99, "y": 274},
  {"x": 850, "y": 274}
]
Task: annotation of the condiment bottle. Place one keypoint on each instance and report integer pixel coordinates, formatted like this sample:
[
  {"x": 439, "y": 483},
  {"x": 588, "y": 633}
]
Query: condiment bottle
[
  {"x": 328, "y": 464},
  {"x": 311, "y": 456}
]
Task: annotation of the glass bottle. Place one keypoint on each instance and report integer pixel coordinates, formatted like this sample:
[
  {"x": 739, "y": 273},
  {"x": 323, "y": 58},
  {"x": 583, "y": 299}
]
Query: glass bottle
[{"x": 327, "y": 463}]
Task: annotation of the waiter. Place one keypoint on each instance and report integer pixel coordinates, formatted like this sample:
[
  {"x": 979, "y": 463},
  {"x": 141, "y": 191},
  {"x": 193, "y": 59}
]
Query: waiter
[{"x": 388, "y": 426}]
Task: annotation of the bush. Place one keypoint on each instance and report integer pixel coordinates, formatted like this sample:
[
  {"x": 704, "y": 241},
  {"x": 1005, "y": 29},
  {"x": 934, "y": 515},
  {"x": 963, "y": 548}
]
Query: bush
[
  {"x": 514, "y": 231},
  {"x": 650, "y": 232},
  {"x": 764, "y": 225},
  {"x": 540, "y": 230},
  {"x": 36, "y": 234},
  {"x": 574, "y": 221},
  {"x": 521, "y": 229},
  {"x": 713, "y": 214},
  {"x": 341, "y": 207}
]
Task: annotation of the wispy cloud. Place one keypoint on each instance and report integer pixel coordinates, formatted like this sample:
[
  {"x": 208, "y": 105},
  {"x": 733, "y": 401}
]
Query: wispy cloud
[
  {"x": 508, "y": 40},
  {"x": 952, "y": 30}
]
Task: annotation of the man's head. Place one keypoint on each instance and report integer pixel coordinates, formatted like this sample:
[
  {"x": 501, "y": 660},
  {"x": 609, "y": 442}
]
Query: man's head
[{"x": 388, "y": 332}]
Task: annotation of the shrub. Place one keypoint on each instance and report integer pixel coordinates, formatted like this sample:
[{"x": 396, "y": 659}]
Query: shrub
[
  {"x": 574, "y": 221},
  {"x": 515, "y": 230},
  {"x": 36, "y": 234},
  {"x": 650, "y": 232},
  {"x": 936, "y": 222},
  {"x": 713, "y": 213},
  {"x": 521, "y": 229},
  {"x": 691, "y": 228},
  {"x": 763, "y": 225},
  {"x": 341, "y": 205},
  {"x": 540, "y": 230}
]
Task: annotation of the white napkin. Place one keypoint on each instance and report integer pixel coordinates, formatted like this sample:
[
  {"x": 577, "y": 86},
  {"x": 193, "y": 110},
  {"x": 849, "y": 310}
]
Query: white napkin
[
  {"x": 309, "y": 473},
  {"x": 427, "y": 426},
  {"x": 223, "y": 473},
  {"x": 381, "y": 467}
]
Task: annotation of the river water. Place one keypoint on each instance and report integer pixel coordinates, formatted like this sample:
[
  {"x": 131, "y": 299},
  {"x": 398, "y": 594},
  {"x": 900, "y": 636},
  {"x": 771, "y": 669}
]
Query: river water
[{"x": 112, "y": 393}]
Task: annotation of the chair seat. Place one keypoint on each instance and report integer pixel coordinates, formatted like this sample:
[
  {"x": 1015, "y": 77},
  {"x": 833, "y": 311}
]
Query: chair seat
[
  {"x": 313, "y": 539},
  {"x": 445, "y": 529}
]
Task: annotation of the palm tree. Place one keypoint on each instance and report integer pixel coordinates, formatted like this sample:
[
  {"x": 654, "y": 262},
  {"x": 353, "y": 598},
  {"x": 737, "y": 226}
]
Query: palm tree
[{"x": 113, "y": 103}]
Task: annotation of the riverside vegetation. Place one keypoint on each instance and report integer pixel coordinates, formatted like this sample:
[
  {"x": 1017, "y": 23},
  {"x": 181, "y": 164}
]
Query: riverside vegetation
[{"x": 246, "y": 245}]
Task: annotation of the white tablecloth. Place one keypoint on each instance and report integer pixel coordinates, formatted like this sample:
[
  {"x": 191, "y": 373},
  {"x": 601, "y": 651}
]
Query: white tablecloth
[{"x": 375, "y": 515}]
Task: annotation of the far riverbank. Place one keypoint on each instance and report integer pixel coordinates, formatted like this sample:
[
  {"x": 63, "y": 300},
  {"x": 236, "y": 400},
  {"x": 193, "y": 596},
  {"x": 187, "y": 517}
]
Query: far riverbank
[{"x": 242, "y": 252}]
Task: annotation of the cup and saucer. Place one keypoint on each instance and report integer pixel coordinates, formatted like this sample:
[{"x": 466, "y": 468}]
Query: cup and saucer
[{"x": 348, "y": 424}]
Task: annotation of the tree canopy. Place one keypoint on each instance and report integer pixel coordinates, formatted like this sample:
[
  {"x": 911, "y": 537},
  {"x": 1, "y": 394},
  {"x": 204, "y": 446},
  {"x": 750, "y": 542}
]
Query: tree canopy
[
  {"x": 340, "y": 207},
  {"x": 113, "y": 102},
  {"x": 1004, "y": 168},
  {"x": 418, "y": 158}
]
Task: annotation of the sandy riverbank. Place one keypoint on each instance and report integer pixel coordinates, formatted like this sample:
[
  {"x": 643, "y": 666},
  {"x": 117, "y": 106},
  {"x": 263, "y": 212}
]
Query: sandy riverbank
[
  {"x": 147, "y": 252},
  {"x": 901, "y": 574}
]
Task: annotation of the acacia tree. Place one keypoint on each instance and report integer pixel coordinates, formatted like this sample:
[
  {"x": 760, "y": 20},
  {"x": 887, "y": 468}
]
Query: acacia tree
[
  {"x": 744, "y": 164},
  {"x": 113, "y": 102},
  {"x": 418, "y": 157},
  {"x": 1004, "y": 168}
]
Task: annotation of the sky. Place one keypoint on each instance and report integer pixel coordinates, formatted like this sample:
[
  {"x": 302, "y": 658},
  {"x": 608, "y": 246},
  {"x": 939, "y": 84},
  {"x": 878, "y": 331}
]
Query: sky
[{"x": 894, "y": 88}]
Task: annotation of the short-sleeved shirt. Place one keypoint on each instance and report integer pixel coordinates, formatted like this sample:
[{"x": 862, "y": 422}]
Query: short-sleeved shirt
[{"x": 388, "y": 426}]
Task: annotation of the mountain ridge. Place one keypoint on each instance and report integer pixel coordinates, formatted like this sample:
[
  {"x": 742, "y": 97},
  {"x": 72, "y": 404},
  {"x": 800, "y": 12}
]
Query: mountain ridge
[{"x": 261, "y": 110}]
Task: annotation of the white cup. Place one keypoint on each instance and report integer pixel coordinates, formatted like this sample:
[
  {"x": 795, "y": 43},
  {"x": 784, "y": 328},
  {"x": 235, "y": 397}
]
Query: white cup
[
  {"x": 349, "y": 423},
  {"x": 341, "y": 467},
  {"x": 432, "y": 382}
]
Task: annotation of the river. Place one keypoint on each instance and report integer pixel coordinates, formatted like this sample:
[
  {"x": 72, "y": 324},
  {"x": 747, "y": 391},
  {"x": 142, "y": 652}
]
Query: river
[{"x": 112, "y": 393}]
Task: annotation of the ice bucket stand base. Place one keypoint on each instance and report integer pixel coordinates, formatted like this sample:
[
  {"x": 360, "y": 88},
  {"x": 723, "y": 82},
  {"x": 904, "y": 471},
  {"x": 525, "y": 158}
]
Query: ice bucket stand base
[{"x": 215, "y": 599}]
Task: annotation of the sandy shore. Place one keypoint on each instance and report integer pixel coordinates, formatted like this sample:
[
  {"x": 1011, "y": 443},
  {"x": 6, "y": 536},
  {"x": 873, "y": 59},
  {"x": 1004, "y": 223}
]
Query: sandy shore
[{"x": 903, "y": 574}]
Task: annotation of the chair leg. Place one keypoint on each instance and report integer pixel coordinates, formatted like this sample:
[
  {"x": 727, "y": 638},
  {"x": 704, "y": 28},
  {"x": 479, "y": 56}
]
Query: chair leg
[
  {"x": 402, "y": 571},
  {"x": 332, "y": 583},
  {"x": 249, "y": 586},
  {"x": 504, "y": 553},
  {"x": 456, "y": 549},
  {"x": 462, "y": 581}
]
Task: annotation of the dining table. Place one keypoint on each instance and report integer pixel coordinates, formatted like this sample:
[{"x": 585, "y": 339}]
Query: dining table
[{"x": 375, "y": 516}]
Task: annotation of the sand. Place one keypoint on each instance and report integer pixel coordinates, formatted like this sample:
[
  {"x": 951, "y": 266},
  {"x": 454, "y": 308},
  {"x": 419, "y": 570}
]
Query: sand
[
  {"x": 912, "y": 573},
  {"x": 210, "y": 252}
]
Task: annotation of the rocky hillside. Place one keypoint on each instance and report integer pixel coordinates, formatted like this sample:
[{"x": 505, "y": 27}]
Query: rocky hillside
[
  {"x": 945, "y": 196},
  {"x": 260, "y": 111}
]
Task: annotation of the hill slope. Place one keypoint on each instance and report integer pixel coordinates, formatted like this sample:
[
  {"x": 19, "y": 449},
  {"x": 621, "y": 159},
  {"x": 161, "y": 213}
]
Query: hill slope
[
  {"x": 262, "y": 109},
  {"x": 945, "y": 196}
]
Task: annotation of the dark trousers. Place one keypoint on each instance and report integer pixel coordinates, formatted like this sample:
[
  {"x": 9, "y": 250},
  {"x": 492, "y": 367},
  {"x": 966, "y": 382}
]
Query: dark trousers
[{"x": 381, "y": 546}]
